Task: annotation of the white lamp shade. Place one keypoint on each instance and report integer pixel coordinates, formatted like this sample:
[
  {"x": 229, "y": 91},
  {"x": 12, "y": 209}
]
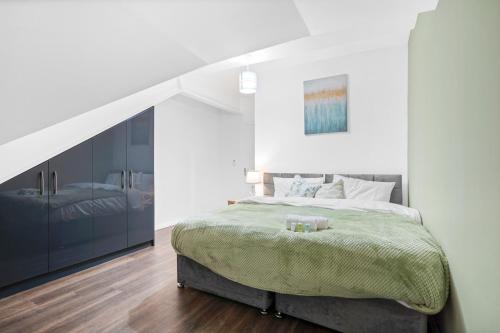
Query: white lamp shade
[
  {"x": 253, "y": 177},
  {"x": 248, "y": 82}
]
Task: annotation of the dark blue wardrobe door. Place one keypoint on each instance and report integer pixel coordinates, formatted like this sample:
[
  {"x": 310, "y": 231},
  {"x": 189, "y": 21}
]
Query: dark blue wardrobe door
[
  {"x": 140, "y": 177},
  {"x": 109, "y": 189},
  {"x": 24, "y": 226},
  {"x": 70, "y": 207}
]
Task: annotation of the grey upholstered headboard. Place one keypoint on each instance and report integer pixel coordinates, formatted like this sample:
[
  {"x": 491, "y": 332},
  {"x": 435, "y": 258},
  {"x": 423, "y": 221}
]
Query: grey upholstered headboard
[{"x": 396, "y": 195}]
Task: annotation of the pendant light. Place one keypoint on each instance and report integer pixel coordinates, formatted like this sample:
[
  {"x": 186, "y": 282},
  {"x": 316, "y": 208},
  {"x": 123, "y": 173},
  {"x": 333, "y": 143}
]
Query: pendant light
[{"x": 248, "y": 81}]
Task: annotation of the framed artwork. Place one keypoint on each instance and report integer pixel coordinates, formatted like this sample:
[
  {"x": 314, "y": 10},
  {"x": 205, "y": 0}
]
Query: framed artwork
[{"x": 325, "y": 105}]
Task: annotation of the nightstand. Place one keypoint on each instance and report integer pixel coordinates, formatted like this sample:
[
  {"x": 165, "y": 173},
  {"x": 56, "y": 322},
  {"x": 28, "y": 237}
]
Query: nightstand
[{"x": 231, "y": 202}]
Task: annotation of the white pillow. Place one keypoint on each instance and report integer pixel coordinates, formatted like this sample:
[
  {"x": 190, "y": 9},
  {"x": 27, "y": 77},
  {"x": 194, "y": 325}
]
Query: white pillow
[
  {"x": 365, "y": 189},
  {"x": 282, "y": 185},
  {"x": 331, "y": 191}
]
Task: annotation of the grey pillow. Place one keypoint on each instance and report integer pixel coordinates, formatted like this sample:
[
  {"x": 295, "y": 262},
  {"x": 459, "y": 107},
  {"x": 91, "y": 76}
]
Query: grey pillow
[{"x": 331, "y": 191}]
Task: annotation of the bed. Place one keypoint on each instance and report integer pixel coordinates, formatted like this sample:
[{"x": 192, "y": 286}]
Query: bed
[{"x": 375, "y": 269}]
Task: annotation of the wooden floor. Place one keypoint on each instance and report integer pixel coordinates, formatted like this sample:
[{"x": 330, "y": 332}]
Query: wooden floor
[{"x": 133, "y": 293}]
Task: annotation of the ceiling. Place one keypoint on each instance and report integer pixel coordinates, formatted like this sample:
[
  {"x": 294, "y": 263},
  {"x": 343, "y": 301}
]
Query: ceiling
[
  {"x": 325, "y": 16},
  {"x": 215, "y": 30},
  {"x": 59, "y": 59},
  {"x": 337, "y": 28},
  {"x": 62, "y": 58}
]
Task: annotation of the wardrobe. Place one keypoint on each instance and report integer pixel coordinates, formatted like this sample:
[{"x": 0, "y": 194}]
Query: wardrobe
[{"x": 92, "y": 200}]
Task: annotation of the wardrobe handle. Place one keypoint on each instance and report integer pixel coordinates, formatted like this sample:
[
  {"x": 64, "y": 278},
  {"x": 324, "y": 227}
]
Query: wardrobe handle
[
  {"x": 130, "y": 178},
  {"x": 42, "y": 183},
  {"x": 54, "y": 182},
  {"x": 123, "y": 179}
]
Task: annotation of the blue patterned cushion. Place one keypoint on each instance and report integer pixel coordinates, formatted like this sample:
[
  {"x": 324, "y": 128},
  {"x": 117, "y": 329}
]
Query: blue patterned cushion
[{"x": 300, "y": 188}]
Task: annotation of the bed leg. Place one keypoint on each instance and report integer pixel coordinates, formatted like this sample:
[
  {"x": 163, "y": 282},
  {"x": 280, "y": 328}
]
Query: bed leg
[
  {"x": 180, "y": 284},
  {"x": 278, "y": 315},
  {"x": 263, "y": 312}
]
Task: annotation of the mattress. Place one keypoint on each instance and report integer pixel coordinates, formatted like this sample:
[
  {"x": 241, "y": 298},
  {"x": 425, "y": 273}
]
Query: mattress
[{"x": 370, "y": 250}]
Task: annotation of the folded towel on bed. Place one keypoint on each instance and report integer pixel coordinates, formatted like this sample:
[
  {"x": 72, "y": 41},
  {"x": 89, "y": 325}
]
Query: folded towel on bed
[{"x": 316, "y": 222}]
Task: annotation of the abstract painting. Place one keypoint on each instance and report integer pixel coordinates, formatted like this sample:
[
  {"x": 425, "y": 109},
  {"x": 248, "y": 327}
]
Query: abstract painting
[{"x": 325, "y": 105}]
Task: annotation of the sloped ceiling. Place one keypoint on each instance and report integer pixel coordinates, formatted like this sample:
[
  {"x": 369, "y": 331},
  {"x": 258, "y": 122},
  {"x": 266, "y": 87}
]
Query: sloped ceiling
[
  {"x": 326, "y": 16},
  {"x": 215, "y": 30},
  {"x": 338, "y": 28},
  {"x": 61, "y": 58},
  {"x": 70, "y": 69}
]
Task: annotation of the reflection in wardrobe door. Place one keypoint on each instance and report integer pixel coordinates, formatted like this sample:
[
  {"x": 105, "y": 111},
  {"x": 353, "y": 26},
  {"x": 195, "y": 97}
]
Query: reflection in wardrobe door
[
  {"x": 110, "y": 201},
  {"x": 70, "y": 207},
  {"x": 140, "y": 165},
  {"x": 24, "y": 226}
]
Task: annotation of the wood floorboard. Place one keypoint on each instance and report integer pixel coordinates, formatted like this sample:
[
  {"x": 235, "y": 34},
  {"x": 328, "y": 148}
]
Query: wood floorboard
[{"x": 134, "y": 293}]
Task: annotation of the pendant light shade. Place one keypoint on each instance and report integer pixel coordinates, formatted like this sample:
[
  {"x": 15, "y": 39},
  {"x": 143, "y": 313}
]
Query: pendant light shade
[{"x": 248, "y": 82}]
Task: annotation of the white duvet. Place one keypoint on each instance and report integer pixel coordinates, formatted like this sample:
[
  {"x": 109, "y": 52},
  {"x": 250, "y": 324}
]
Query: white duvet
[{"x": 352, "y": 204}]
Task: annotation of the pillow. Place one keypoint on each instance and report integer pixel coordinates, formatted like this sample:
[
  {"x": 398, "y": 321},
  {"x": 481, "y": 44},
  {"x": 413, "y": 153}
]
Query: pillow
[
  {"x": 282, "y": 185},
  {"x": 365, "y": 189},
  {"x": 331, "y": 191},
  {"x": 301, "y": 188}
]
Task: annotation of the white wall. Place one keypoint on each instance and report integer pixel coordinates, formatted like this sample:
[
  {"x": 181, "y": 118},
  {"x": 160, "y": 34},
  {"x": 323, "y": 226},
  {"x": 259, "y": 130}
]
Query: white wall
[
  {"x": 377, "y": 117},
  {"x": 200, "y": 154},
  {"x": 247, "y": 108}
]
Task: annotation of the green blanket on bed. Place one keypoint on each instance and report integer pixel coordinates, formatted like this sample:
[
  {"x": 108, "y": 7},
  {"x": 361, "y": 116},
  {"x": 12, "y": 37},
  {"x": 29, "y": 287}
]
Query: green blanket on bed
[{"x": 361, "y": 255}]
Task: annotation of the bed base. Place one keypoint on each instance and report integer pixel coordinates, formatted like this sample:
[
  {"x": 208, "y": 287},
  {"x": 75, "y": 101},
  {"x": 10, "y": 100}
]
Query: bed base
[
  {"x": 353, "y": 315},
  {"x": 196, "y": 276},
  {"x": 342, "y": 314}
]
